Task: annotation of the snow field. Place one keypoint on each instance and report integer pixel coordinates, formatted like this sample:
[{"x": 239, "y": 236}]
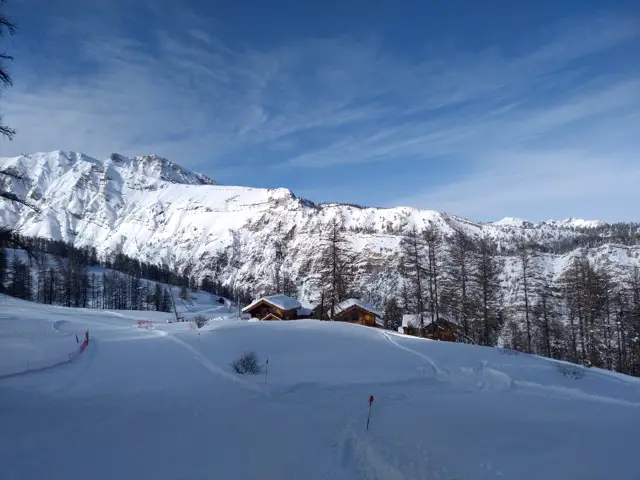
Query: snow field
[{"x": 163, "y": 403}]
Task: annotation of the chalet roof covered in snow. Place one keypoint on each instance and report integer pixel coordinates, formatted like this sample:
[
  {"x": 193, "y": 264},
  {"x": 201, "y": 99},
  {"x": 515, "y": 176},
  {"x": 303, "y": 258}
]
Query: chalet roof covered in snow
[
  {"x": 283, "y": 302},
  {"x": 359, "y": 303}
]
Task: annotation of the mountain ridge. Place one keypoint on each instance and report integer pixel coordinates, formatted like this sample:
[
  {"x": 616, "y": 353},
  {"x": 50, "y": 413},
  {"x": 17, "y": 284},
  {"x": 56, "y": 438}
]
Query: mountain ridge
[
  {"x": 197, "y": 178},
  {"x": 152, "y": 209}
]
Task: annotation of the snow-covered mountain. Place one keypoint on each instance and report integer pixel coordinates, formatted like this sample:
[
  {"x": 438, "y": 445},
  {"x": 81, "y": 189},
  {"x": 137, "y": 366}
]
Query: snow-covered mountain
[{"x": 152, "y": 209}]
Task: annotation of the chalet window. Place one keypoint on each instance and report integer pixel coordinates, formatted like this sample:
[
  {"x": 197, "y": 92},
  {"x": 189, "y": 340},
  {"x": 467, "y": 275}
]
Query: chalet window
[{"x": 355, "y": 315}]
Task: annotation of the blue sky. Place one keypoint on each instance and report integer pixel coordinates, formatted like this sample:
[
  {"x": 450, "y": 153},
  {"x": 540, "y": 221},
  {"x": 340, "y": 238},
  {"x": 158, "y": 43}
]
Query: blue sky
[{"x": 482, "y": 109}]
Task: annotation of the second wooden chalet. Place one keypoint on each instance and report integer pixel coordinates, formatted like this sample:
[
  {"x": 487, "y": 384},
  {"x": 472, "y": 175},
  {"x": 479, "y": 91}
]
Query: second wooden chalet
[
  {"x": 441, "y": 329},
  {"x": 277, "y": 307},
  {"x": 357, "y": 311}
]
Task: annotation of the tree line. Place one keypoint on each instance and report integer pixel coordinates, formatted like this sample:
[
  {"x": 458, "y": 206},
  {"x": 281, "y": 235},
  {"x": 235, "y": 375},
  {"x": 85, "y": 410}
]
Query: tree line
[
  {"x": 546, "y": 241},
  {"x": 590, "y": 314},
  {"x": 57, "y": 273}
]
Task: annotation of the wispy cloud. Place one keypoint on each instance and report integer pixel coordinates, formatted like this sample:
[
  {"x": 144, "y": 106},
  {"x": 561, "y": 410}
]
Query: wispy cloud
[
  {"x": 554, "y": 182},
  {"x": 478, "y": 133},
  {"x": 315, "y": 103}
]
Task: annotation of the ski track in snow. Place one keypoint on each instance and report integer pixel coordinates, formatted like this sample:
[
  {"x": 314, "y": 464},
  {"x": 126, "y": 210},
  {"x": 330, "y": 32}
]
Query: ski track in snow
[
  {"x": 58, "y": 324},
  {"x": 573, "y": 393},
  {"x": 40, "y": 369},
  {"x": 206, "y": 363},
  {"x": 361, "y": 454},
  {"x": 358, "y": 455},
  {"x": 440, "y": 374}
]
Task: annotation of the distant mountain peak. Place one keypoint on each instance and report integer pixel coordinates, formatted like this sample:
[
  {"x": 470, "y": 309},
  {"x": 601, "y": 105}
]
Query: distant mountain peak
[
  {"x": 159, "y": 167},
  {"x": 580, "y": 222},
  {"x": 513, "y": 222}
]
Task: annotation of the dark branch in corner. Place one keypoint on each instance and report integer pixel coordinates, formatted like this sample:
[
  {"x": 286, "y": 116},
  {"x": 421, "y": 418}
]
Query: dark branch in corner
[{"x": 6, "y": 27}]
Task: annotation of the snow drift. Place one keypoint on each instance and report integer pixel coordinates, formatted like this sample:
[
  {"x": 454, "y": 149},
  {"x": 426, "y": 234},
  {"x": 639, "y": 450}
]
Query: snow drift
[{"x": 164, "y": 403}]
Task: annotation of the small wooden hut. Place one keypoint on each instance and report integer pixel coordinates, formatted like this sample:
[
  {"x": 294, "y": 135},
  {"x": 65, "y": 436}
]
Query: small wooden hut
[
  {"x": 357, "y": 311},
  {"x": 441, "y": 329},
  {"x": 276, "y": 307}
]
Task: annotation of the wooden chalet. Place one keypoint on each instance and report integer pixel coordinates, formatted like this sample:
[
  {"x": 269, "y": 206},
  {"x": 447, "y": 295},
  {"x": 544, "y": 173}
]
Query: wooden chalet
[
  {"x": 441, "y": 329},
  {"x": 357, "y": 311},
  {"x": 276, "y": 307}
]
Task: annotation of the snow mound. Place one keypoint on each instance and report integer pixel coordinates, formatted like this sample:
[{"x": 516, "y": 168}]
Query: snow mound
[
  {"x": 137, "y": 405},
  {"x": 481, "y": 377}
]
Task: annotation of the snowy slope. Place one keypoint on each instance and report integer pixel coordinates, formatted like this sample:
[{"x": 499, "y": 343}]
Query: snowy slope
[
  {"x": 164, "y": 404},
  {"x": 156, "y": 211},
  {"x": 196, "y": 302},
  {"x": 27, "y": 344}
]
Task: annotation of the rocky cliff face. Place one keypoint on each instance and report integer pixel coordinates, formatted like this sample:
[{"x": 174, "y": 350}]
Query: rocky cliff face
[{"x": 152, "y": 209}]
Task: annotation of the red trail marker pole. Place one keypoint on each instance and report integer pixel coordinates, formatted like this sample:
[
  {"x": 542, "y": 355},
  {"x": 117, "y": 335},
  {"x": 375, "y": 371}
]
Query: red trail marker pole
[{"x": 371, "y": 400}]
